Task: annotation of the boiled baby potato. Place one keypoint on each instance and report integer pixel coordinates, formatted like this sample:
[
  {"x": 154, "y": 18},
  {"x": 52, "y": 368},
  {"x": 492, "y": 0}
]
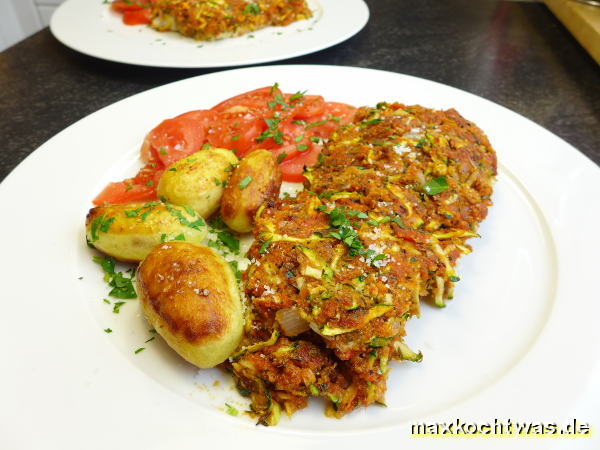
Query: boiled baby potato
[
  {"x": 257, "y": 179},
  {"x": 197, "y": 180},
  {"x": 190, "y": 296},
  {"x": 129, "y": 231}
]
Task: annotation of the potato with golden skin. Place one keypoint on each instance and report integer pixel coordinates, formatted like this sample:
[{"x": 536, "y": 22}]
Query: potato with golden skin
[
  {"x": 256, "y": 180},
  {"x": 197, "y": 180},
  {"x": 129, "y": 231},
  {"x": 189, "y": 294}
]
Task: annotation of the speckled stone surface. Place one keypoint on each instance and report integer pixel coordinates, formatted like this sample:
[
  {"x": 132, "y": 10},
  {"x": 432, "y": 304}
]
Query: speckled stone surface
[{"x": 516, "y": 54}]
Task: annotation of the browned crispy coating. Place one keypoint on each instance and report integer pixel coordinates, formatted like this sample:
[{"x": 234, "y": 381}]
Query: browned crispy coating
[
  {"x": 380, "y": 225},
  {"x": 216, "y": 19}
]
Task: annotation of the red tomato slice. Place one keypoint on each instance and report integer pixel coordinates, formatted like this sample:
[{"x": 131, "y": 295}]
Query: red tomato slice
[
  {"x": 237, "y": 133},
  {"x": 290, "y": 152},
  {"x": 138, "y": 17},
  {"x": 123, "y": 192},
  {"x": 204, "y": 116},
  {"x": 173, "y": 139},
  {"x": 310, "y": 106},
  {"x": 256, "y": 98},
  {"x": 292, "y": 170},
  {"x": 125, "y": 5},
  {"x": 341, "y": 110}
]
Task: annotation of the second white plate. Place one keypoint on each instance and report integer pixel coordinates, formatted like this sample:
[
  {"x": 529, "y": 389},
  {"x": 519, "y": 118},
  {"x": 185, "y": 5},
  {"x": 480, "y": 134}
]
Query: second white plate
[{"x": 92, "y": 28}]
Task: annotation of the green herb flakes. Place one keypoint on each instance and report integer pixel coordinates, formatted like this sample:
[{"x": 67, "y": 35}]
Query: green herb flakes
[
  {"x": 229, "y": 241},
  {"x": 100, "y": 224},
  {"x": 117, "y": 307},
  {"x": 231, "y": 410},
  {"x": 264, "y": 247},
  {"x": 245, "y": 182},
  {"x": 436, "y": 186}
]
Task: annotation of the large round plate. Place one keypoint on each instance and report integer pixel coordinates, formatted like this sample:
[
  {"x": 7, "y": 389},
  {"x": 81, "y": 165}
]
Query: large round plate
[
  {"x": 519, "y": 341},
  {"x": 91, "y": 27}
]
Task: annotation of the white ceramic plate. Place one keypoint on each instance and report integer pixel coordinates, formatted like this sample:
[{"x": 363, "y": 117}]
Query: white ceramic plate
[
  {"x": 519, "y": 340},
  {"x": 91, "y": 27}
]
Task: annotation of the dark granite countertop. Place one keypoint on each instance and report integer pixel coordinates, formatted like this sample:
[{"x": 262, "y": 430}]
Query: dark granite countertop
[{"x": 516, "y": 54}]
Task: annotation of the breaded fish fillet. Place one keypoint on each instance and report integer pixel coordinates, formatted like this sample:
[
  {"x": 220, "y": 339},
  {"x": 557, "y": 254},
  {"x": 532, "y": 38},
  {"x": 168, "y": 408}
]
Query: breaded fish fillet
[{"x": 381, "y": 223}]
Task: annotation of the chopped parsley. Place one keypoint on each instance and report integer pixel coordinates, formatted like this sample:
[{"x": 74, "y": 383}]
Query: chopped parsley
[
  {"x": 371, "y": 122},
  {"x": 100, "y": 224},
  {"x": 122, "y": 286},
  {"x": 195, "y": 225},
  {"x": 315, "y": 124},
  {"x": 245, "y": 182},
  {"x": 236, "y": 270},
  {"x": 107, "y": 330},
  {"x": 252, "y": 8},
  {"x": 271, "y": 132},
  {"x": 436, "y": 185},
  {"x": 142, "y": 212},
  {"x": 281, "y": 157},
  {"x": 301, "y": 147},
  {"x": 117, "y": 307},
  {"x": 264, "y": 247},
  {"x": 229, "y": 241},
  {"x": 231, "y": 410}
]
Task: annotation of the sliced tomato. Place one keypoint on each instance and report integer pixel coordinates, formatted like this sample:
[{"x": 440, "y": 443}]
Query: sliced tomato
[
  {"x": 173, "y": 139},
  {"x": 309, "y": 106},
  {"x": 237, "y": 133},
  {"x": 204, "y": 116},
  {"x": 257, "y": 98},
  {"x": 292, "y": 169},
  {"x": 126, "y": 5},
  {"x": 340, "y": 110},
  {"x": 290, "y": 151},
  {"x": 124, "y": 192},
  {"x": 236, "y": 123},
  {"x": 137, "y": 17}
]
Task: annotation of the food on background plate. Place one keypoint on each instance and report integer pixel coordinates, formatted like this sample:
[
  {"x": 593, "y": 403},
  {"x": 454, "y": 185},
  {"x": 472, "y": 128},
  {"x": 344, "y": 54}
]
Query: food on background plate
[
  {"x": 291, "y": 126},
  {"x": 129, "y": 231},
  {"x": 190, "y": 296},
  {"x": 208, "y": 20},
  {"x": 198, "y": 180},
  {"x": 256, "y": 180},
  {"x": 336, "y": 270}
]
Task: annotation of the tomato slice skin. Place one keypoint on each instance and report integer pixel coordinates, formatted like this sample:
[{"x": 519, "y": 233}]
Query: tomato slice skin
[
  {"x": 256, "y": 98},
  {"x": 173, "y": 139},
  {"x": 123, "y": 5},
  {"x": 122, "y": 192},
  {"x": 137, "y": 17},
  {"x": 292, "y": 169}
]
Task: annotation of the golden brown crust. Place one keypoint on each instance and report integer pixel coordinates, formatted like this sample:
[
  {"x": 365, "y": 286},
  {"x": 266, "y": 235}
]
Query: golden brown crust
[
  {"x": 256, "y": 180},
  {"x": 190, "y": 295},
  {"x": 383, "y": 219}
]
